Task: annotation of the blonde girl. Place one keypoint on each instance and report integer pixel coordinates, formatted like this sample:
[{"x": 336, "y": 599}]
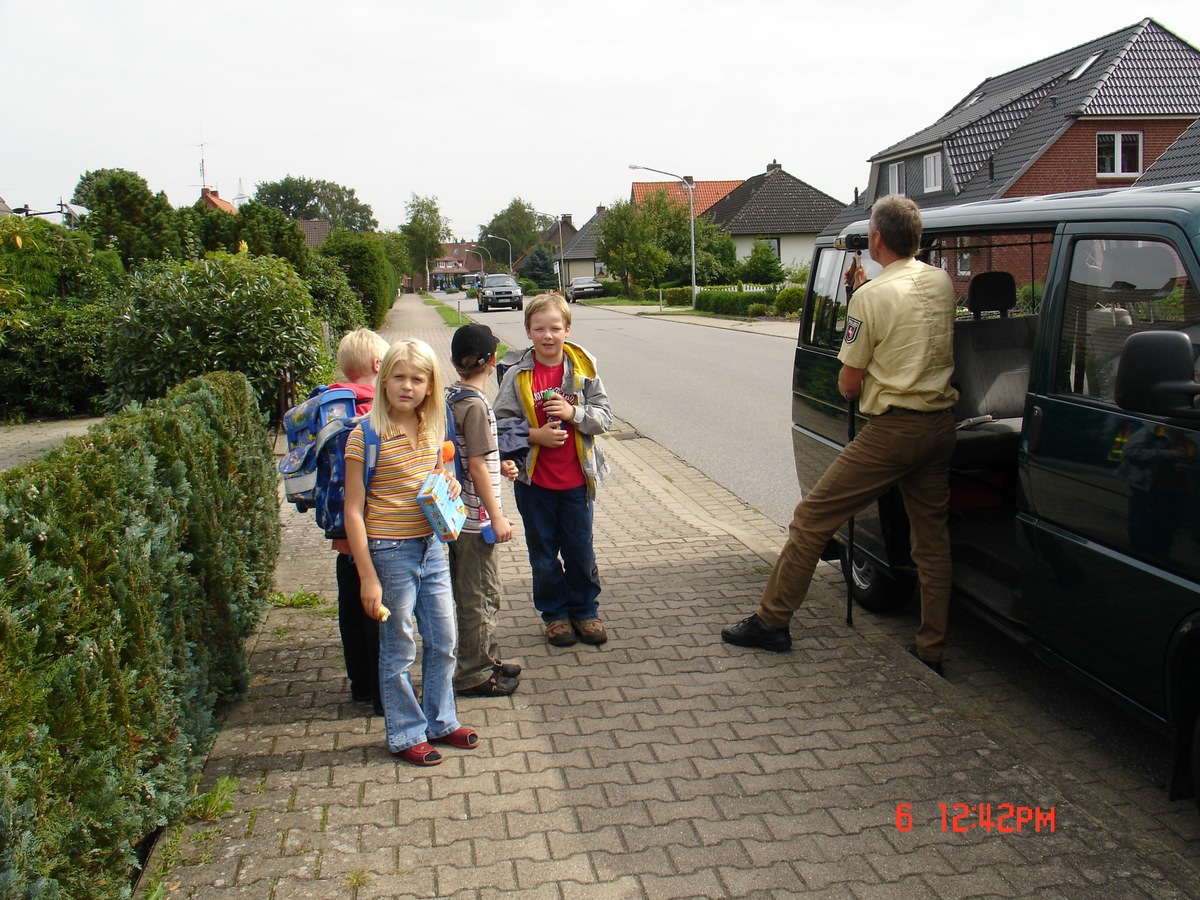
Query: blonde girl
[{"x": 401, "y": 563}]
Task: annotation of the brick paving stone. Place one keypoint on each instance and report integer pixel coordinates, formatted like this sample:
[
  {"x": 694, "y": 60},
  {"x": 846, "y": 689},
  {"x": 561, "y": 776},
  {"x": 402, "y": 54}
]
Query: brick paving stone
[{"x": 664, "y": 764}]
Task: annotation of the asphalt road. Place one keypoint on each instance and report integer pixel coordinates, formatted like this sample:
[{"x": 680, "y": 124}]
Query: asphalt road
[{"x": 719, "y": 399}]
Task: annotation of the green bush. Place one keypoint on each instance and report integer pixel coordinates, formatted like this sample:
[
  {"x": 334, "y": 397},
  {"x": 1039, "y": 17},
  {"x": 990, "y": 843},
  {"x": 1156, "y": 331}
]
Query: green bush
[
  {"x": 677, "y": 296},
  {"x": 759, "y": 310},
  {"x": 613, "y": 289},
  {"x": 249, "y": 314},
  {"x": 332, "y": 298},
  {"x": 361, "y": 256},
  {"x": 789, "y": 301},
  {"x": 134, "y": 565},
  {"x": 727, "y": 303},
  {"x": 529, "y": 287},
  {"x": 52, "y": 319}
]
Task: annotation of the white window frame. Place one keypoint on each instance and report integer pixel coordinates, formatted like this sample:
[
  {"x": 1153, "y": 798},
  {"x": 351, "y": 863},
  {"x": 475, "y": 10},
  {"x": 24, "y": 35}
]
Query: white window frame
[
  {"x": 962, "y": 262},
  {"x": 895, "y": 174},
  {"x": 932, "y": 164},
  {"x": 1118, "y": 138}
]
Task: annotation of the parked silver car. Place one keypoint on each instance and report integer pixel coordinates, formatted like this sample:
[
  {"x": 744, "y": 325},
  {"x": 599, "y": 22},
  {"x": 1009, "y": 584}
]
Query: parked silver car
[{"x": 584, "y": 286}]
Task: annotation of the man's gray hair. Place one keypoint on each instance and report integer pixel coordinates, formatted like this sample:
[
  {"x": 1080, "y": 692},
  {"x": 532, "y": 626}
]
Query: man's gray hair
[{"x": 898, "y": 221}]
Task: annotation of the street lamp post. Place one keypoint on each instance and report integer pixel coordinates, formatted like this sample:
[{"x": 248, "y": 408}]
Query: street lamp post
[
  {"x": 690, "y": 183},
  {"x": 507, "y": 241}
]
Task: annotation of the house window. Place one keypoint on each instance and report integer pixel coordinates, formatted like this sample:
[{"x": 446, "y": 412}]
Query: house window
[
  {"x": 1119, "y": 153},
  {"x": 933, "y": 172},
  {"x": 896, "y": 178},
  {"x": 963, "y": 264}
]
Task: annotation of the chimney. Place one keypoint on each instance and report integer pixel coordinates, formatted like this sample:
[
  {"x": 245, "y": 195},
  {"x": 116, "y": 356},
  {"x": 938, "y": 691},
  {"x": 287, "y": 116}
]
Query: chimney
[
  {"x": 566, "y": 219},
  {"x": 773, "y": 166},
  {"x": 599, "y": 209}
]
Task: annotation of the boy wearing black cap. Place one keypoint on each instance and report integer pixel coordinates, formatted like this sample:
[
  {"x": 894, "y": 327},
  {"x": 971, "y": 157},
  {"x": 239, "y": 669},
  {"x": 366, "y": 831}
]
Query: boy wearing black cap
[{"x": 473, "y": 569}]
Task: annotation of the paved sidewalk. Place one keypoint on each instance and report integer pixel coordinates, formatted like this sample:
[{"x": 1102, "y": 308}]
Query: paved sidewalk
[{"x": 663, "y": 764}]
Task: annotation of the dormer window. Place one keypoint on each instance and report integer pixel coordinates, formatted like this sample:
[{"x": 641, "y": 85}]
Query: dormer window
[
  {"x": 932, "y": 165},
  {"x": 1118, "y": 153},
  {"x": 895, "y": 178}
]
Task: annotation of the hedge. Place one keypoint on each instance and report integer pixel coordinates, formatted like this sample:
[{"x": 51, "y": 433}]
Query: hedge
[
  {"x": 134, "y": 565},
  {"x": 730, "y": 303}
]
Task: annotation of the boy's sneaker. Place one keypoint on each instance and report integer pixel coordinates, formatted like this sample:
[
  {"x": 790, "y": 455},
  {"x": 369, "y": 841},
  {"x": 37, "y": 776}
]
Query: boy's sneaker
[
  {"x": 590, "y": 631},
  {"x": 560, "y": 633}
]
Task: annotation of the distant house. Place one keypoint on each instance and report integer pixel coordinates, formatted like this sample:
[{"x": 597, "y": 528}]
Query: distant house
[
  {"x": 559, "y": 233},
  {"x": 777, "y": 208},
  {"x": 316, "y": 231},
  {"x": 458, "y": 259},
  {"x": 579, "y": 254},
  {"x": 5, "y": 209},
  {"x": 705, "y": 193},
  {"x": 1097, "y": 115},
  {"x": 212, "y": 200}
]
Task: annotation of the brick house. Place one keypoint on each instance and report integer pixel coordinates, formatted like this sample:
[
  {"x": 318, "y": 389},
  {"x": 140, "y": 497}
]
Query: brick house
[{"x": 1094, "y": 116}]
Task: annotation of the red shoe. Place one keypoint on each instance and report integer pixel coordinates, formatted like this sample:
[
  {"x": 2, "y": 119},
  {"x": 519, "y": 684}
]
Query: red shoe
[
  {"x": 421, "y": 754},
  {"x": 461, "y": 737}
]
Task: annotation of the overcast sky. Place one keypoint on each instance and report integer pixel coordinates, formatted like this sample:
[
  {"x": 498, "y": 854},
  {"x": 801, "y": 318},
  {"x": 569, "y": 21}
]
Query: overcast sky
[{"x": 476, "y": 103}]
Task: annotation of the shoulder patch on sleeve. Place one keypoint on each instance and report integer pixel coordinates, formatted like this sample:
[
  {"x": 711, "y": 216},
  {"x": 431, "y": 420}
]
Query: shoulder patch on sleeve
[{"x": 852, "y": 326}]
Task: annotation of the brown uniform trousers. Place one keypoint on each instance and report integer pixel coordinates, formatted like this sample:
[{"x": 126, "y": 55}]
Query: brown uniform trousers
[{"x": 911, "y": 450}]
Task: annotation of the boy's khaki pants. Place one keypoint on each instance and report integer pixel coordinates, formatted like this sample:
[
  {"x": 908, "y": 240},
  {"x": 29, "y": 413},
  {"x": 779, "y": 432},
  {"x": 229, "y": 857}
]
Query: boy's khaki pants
[{"x": 476, "y": 579}]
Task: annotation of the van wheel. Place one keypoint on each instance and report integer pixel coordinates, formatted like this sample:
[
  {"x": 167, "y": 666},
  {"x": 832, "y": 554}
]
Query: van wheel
[{"x": 876, "y": 588}]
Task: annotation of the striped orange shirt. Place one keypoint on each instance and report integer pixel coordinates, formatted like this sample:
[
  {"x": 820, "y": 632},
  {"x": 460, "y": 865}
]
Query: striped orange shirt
[{"x": 393, "y": 513}]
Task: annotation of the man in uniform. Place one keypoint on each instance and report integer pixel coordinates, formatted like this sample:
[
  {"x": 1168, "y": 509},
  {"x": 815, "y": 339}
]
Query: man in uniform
[{"x": 897, "y": 357}]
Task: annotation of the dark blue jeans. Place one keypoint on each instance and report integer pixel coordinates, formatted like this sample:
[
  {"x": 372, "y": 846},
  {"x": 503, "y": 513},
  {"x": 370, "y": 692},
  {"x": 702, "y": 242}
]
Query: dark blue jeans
[{"x": 559, "y": 523}]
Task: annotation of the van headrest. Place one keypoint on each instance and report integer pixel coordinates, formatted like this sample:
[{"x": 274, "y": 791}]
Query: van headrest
[{"x": 991, "y": 292}]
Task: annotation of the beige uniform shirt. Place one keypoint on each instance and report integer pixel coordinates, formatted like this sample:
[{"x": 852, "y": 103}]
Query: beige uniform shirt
[{"x": 900, "y": 329}]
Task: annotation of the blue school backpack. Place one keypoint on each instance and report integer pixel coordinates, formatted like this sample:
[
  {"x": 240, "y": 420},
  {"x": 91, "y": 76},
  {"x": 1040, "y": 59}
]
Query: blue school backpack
[
  {"x": 310, "y": 426},
  {"x": 314, "y": 469}
]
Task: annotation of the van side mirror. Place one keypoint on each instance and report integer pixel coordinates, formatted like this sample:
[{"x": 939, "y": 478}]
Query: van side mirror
[{"x": 1157, "y": 375}]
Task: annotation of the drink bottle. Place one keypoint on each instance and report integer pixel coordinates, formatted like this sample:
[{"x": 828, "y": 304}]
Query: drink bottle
[
  {"x": 486, "y": 531},
  {"x": 550, "y": 420}
]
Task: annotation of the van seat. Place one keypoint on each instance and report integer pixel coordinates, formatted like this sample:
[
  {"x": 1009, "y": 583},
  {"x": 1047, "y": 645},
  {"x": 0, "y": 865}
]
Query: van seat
[{"x": 992, "y": 360}]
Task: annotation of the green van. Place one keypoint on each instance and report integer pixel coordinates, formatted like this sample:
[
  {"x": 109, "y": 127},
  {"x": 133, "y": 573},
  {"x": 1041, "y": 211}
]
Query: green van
[{"x": 1075, "y": 488}]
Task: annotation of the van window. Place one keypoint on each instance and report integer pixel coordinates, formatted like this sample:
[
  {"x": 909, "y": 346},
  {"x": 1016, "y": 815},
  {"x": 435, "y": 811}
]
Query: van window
[
  {"x": 827, "y": 316},
  {"x": 1118, "y": 287},
  {"x": 1024, "y": 255}
]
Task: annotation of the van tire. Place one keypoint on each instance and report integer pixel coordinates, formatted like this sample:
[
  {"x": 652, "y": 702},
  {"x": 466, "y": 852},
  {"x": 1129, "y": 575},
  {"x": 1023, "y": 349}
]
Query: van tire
[{"x": 875, "y": 587}]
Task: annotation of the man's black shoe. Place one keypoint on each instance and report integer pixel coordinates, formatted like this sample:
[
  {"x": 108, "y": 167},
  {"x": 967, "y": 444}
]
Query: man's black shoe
[
  {"x": 936, "y": 665},
  {"x": 754, "y": 632},
  {"x": 496, "y": 686}
]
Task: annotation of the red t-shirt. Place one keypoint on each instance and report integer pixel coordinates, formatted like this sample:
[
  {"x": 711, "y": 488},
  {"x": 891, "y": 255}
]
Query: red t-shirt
[{"x": 557, "y": 468}]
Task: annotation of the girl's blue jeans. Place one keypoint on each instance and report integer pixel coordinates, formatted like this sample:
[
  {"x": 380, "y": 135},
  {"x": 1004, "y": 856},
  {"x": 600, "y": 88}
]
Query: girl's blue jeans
[
  {"x": 559, "y": 523},
  {"x": 415, "y": 576}
]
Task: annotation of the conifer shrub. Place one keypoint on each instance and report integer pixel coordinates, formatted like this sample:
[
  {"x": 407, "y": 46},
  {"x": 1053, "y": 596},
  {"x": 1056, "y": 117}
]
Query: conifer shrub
[{"x": 134, "y": 564}]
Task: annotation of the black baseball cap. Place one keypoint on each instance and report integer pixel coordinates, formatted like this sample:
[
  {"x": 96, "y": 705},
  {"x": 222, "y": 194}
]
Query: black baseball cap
[{"x": 473, "y": 341}]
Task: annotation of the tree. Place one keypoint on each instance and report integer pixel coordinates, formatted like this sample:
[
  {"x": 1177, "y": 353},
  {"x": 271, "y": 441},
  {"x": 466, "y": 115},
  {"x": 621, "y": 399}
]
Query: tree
[
  {"x": 304, "y": 198},
  {"x": 395, "y": 247},
  {"x": 424, "y": 233},
  {"x": 517, "y": 223},
  {"x": 362, "y": 258},
  {"x": 762, "y": 266},
  {"x": 124, "y": 215},
  {"x": 539, "y": 266},
  {"x": 628, "y": 245}
]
